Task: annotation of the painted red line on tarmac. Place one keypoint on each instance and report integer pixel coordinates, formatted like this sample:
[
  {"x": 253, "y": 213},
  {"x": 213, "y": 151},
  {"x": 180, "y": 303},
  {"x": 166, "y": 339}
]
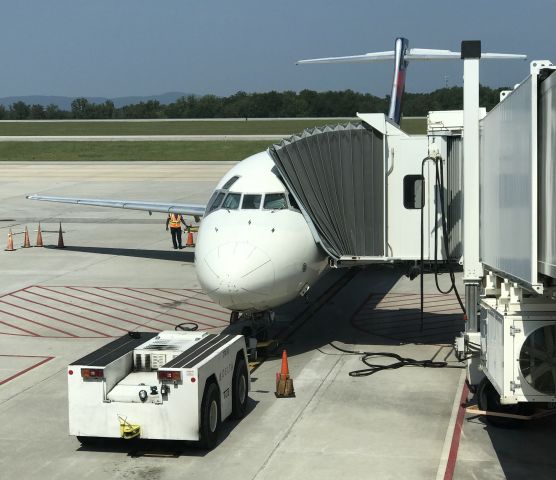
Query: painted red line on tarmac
[
  {"x": 116, "y": 308},
  {"x": 23, "y": 335},
  {"x": 181, "y": 296},
  {"x": 18, "y": 328},
  {"x": 88, "y": 309},
  {"x": 15, "y": 291},
  {"x": 441, "y": 311},
  {"x": 178, "y": 308},
  {"x": 196, "y": 297},
  {"x": 53, "y": 318},
  {"x": 452, "y": 457},
  {"x": 150, "y": 309},
  {"x": 46, "y": 359},
  {"x": 414, "y": 301},
  {"x": 33, "y": 321},
  {"x": 73, "y": 314},
  {"x": 107, "y": 306}
]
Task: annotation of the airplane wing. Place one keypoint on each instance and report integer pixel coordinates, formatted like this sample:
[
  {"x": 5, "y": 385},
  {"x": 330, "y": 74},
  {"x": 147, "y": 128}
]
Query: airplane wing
[
  {"x": 194, "y": 210},
  {"x": 411, "y": 54}
]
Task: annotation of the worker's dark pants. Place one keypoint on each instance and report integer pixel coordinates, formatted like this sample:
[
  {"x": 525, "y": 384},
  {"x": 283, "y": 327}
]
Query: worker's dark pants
[{"x": 176, "y": 237}]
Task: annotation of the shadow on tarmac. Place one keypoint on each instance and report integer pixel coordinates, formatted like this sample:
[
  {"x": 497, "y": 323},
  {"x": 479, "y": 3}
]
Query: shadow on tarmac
[
  {"x": 525, "y": 450},
  {"x": 377, "y": 305},
  {"x": 187, "y": 256}
]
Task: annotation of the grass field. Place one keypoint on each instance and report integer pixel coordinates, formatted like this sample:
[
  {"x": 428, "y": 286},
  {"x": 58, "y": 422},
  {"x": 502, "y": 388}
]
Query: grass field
[
  {"x": 200, "y": 127},
  {"x": 155, "y": 150},
  {"x": 63, "y": 151},
  {"x": 250, "y": 127}
]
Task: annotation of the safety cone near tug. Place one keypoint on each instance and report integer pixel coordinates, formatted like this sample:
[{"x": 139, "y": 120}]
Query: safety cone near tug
[{"x": 284, "y": 384}]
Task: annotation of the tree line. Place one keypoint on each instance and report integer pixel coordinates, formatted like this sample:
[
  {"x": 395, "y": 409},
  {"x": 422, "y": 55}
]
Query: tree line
[{"x": 306, "y": 103}]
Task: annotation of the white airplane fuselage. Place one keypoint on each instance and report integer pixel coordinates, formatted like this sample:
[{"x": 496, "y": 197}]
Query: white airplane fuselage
[{"x": 254, "y": 250}]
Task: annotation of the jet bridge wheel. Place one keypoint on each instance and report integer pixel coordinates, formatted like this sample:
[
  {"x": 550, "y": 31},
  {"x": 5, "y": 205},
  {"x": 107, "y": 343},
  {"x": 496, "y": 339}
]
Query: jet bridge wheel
[
  {"x": 210, "y": 417},
  {"x": 489, "y": 400},
  {"x": 240, "y": 384}
]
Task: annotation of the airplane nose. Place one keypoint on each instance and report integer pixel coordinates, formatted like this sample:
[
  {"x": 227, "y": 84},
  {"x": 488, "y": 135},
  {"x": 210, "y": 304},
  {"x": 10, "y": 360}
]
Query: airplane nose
[{"x": 237, "y": 275}]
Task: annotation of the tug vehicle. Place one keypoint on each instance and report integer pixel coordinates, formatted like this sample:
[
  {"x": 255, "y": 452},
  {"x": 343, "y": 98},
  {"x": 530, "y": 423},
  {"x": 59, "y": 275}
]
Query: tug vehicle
[{"x": 172, "y": 385}]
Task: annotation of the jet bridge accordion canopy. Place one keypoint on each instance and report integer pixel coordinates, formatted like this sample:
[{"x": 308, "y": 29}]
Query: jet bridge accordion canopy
[{"x": 336, "y": 174}]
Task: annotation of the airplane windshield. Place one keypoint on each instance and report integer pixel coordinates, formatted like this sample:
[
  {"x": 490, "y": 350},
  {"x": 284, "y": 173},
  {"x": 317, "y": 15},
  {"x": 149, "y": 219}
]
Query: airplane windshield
[
  {"x": 275, "y": 201},
  {"x": 232, "y": 201},
  {"x": 215, "y": 201},
  {"x": 251, "y": 202}
]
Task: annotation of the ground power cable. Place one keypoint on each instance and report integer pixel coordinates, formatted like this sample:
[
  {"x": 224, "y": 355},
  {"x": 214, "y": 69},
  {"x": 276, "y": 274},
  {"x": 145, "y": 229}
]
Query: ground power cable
[
  {"x": 372, "y": 368},
  {"x": 439, "y": 184}
]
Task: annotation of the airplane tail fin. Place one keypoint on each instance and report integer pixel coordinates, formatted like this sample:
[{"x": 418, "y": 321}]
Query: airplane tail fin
[
  {"x": 398, "y": 83},
  {"x": 402, "y": 55}
]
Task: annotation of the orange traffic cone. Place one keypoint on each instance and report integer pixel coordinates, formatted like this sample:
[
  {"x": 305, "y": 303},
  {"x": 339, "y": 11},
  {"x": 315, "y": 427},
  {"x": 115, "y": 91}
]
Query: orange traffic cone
[
  {"x": 10, "y": 246},
  {"x": 60, "y": 238},
  {"x": 284, "y": 384},
  {"x": 26, "y": 242},
  {"x": 38, "y": 243},
  {"x": 189, "y": 242}
]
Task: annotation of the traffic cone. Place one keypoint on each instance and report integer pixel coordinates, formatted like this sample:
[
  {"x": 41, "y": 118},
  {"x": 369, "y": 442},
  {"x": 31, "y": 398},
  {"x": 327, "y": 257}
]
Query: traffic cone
[
  {"x": 189, "y": 242},
  {"x": 38, "y": 243},
  {"x": 10, "y": 246},
  {"x": 284, "y": 384},
  {"x": 60, "y": 238},
  {"x": 26, "y": 242}
]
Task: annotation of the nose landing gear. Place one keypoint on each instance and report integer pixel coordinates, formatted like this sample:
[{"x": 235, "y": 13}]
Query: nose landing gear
[{"x": 255, "y": 328}]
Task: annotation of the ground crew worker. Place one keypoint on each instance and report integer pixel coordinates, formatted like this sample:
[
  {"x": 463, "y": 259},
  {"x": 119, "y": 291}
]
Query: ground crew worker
[{"x": 175, "y": 220}]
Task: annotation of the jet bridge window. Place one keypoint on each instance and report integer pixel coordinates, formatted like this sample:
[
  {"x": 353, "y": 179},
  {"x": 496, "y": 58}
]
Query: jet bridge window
[
  {"x": 275, "y": 201},
  {"x": 215, "y": 201},
  {"x": 413, "y": 193},
  {"x": 232, "y": 201},
  {"x": 251, "y": 202}
]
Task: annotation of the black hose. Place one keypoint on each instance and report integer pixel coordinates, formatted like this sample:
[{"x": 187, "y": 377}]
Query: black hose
[
  {"x": 187, "y": 326},
  {"x": 401, "y": 362},
  {"x": 439, "y": 184}
]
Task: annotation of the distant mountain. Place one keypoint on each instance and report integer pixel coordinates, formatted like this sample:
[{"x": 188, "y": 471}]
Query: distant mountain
[{"x": 65, "y": 102}]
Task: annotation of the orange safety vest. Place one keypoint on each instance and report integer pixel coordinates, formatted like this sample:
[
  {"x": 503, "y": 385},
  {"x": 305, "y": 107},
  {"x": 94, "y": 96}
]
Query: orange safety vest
[{"x": 174, "y": 220}]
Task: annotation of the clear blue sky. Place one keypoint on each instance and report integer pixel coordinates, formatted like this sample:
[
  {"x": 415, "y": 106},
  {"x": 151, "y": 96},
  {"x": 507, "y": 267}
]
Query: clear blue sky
[{"x": 139, "y": 47}]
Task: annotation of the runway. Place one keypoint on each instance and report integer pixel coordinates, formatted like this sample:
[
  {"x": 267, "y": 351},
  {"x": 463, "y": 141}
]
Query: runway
[{"x": 118, "y": 272}]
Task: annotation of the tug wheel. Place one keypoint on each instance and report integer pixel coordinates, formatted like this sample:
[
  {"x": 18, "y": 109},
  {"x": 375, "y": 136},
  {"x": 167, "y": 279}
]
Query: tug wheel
[
  {"x": 210, "y": 417},
  {"x": 240, "y": 386}
]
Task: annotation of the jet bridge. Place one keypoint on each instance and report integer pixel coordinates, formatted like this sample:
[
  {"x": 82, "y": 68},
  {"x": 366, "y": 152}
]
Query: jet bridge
[
  {"x": 336, "y": 174},
  {"x": 361, "y": 187}
]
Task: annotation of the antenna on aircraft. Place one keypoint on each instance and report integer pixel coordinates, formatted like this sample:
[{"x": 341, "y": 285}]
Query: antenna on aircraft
[{"x": 402, "y": 55}]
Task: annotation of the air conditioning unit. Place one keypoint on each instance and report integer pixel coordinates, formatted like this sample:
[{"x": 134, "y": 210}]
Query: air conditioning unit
[{"x": 518, "y": 350}]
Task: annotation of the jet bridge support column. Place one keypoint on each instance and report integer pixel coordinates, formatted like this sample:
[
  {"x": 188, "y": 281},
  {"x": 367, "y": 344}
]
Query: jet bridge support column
[{"x": 472, "y": 268}]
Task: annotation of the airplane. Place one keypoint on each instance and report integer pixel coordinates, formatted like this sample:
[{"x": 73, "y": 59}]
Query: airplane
[{"x": 255, "y": 249}]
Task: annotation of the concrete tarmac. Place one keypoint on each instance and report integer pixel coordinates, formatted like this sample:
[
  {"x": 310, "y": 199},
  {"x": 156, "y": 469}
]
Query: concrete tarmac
[{"x": 118, "y": 272}]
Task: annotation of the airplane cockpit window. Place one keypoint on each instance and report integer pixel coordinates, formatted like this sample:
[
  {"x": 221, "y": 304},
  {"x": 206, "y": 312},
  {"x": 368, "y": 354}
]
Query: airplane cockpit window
[
  {"x": 230, "y": 182},
  {"x": 215, "y": 201},
  {"x": 275, "y": 201},
  {"x": 251, "y": 202},
  {"x": 232, "y": 201}
]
